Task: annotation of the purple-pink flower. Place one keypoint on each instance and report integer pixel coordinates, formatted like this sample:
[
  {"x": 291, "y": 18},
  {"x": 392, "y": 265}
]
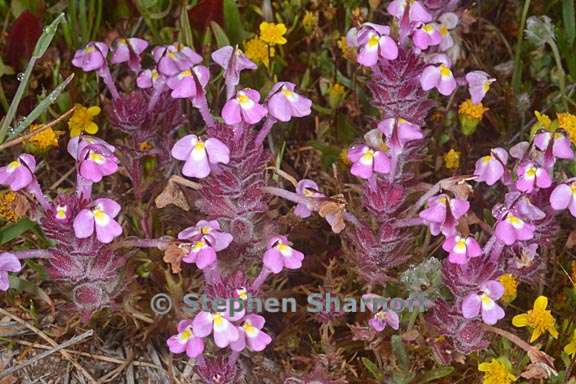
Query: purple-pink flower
[
  {"x": 554, "y": 145},
  {"x": 284, "y": 103},
  {"x": 280, "y": 255},
  {"x": 98, "y": 217},
  {"x": 150, "y": 78},
  {"x": 94, "y": 156},
  {"x": 439, "y": 76},
  {"x": 186, "y": 341},
  {"x": 381, "y": 317},
  {"x": 233, "y": 61},
  {"x": 199, "y": 155},
  {"x": 399, "y": 132},
  {"x": 201, "y": 252},
  {"x": 221, "y": 240},
  {"x": 175, "y": 58},
  {"x": 490, "y": 168},
  {"x": 245, "y": 107},
  {"x": 367, "y": 161},
  {"x": 92, "y": 57},
  {"x": 478, "y": 85},
  {"x": 564, "y": 197},
  {"x": 218, "y": 323},
  {"x": 8, "y": 263},
  {"x": 484, "y": 303},
  {"x": 129, "y": 50},
  {"x": 189, "y": 83},
  {"x": 306, "y": 188},
  {"x": 442, "y": 214},
  {"x": 417, "y": 13},
  {"x": 531, "y": 176},
  {"x": 19, "y": 173},
  {"x": 251, "y": 335},
  {"x": 512, "y": 228},
  {"x": 427, "y": 35},
  {"x": 374, "y": 42},
  {"x": 461, "y": 249}
]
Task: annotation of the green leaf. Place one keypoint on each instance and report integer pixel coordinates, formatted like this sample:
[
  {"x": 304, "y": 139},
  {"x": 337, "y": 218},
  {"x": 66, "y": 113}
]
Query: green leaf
[
  {"x": 12, "y": 231},
  {"x": 233, "y": 21},
  {"x": 41, "y": 107},
  {"x": 46, "y": 37},
  {"x": 219, "y": 34},
  {"x": 186, "y": 28},
  {"x": 400, "y": 352},
  {"x": 373, "y": 369},
  {"x": 569, "y": 18},
  {"x": 435, "y": 374}
]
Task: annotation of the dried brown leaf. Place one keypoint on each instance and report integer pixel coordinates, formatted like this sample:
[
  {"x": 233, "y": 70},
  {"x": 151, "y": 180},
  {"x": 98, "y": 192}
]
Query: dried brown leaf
[
  {"x": 332, "y": 209},
  {"x": 173, "y": 255},
  {"x": 172, "y": 195}
]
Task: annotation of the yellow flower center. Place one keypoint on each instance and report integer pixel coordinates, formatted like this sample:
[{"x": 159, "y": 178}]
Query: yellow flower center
[
  {"x": 185, "y": 73},
  {"x": 242, "y": 293},
  {"x": 198, "y": 245},
  {"x": 96, "y": 157},
  {"x": 373, "y": 41},
  {"x": 100, "y": 216},
  {"x": 205, "y": 230},
  {"x": 443, "y": 200},
  {"x": 61, "y": 212},
  {"x": 531, "y": 172},
  {"x": 460, "y": 246},
  {"x": 218, "y": 319},
  {"x": 13, "y": 165},
  {"x": 243, "y": 99},
  {"x": 199, "y": 146},
  {"x": 573, "y": 188},
  {"x": 283, "y": 248},
  {"x": 515, "y": 221},
  {"x": 249, "y": 328},
  {"x": 428, "y": 28},
  {"x": 186, "y": 334},
  {"x": 443, "y": 30},
  {"x": 486, "y": 159},
  {"x": 445, "y": 71}
]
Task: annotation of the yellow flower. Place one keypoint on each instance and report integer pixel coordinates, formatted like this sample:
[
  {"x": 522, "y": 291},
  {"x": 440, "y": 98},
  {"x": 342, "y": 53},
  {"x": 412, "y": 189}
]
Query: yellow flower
[
  {"x": 13, "y": 206},
  {"x": 567, "y": 121},
  {"x": 470, "y": 110},
  {"x": 258, "y": 51},
  {"x": 539, "y": 319},
  {"x": 310, "y": 21},
  {"x": 452, "y": 159},
  {"x": 81, "y": 120},
  {"x": 496, "y": 371},
  {"x": 543, "y": 120},
  {"x": 43, "y": 140},
  {"x": 272, "y": 33},
  {"x": 510, "y": 284},
  {"x": 570, "y": 348},
  {"x": 347, "y": 52}
]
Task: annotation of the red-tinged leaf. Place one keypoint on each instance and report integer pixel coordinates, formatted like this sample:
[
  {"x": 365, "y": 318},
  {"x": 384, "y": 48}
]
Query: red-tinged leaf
[
  {"x": 22, "y": 39},
  {"x": 204, "y": 12}
]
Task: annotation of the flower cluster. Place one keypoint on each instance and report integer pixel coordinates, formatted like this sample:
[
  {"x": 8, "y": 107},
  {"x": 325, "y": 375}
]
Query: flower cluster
[{"x": 260, "y": 49}]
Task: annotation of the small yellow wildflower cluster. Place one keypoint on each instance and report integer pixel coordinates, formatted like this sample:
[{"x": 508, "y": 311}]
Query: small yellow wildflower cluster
[
  {"x": 347, "y": 52},
  {"x": 81, "y": 120},
  {"x": 310, "y": 21},
  {"x": 260, "y": 49},
  {"x": 13, "y": 206},
  {"x": 567, "y": 121},
  {"x": 497, "y": 371},
  {"x": 42, "y": 141},
  {"x": 470, "y": 115},
  {"x": 570, "y": 348},
  {"x": 510, "y": 284},
  {"x": 452, "y": 159},
  {"x": 539, "y": 319}
]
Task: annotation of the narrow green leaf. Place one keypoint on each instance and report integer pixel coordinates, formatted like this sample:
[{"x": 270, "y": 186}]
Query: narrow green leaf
[
  {"x": 400, "y": 352},
  {"x": 46, "y": 37},
  {"x": 569, "y": 18},
  {"x": 219, "y": 34},
  {"x": 12, "y": 231},
  {"x": 435, "y": 374},
  {"x": 187, "y": 38},
  {"x": 373, "y": 369},
  {"x": 233, "y": 21},
  {"x": 41, "y": 107}
]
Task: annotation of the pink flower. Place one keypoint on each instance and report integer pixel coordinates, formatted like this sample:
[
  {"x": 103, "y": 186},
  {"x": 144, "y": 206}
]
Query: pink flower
[
  {"x": 448, "y": 21},
  {"x": 399, "y": 132},
  {"x": 150, "y": 78},
  {"x": 244, "y": 108},
  {"x": 564, "y": 196},
  {"x": 512, "y": 229},
  {"x": 201, "y": 252},
  {"x": 306, "y": 188},
  {"x": 8, "y": 263},
  {"x": 99, "y": 217},
  {"x": 530, "y": 176},
  {"x": 221, "y": 239},
  {"x": 19, "y": 173},
  {"x": 94, "y": 156},
  {"x": 186, "y": 341},
  {"x": 490, "y": 168},
  {"x": 251, "y": 335},
  {"x": 554, "y": 145},
  {"x": 284, "y": 103},
  {"x": 461, "y": 249},
  {"x": 218, "y": 323},
  {"x": 280, "y": 255},
  {"x": 439, "y": 76},
  {"x": 442, "y": 214},
  {"x": 484, "y": 303},
  {"x": 381, "y": 317},
  {"x": 416, "y": 12},
  {"x": 199, "y": 155},
  {"x": 233, "y": 61},
  {"x": 478, "y": 85},
  {"x": 189, "y": 83},
  {"x": 367, "y": 161},
  {"x": 175, "y": 58},
  {"x": 374, "y": 42},
  {"x": 129, "y": 50},
  {"x": 92, "y": 57},
  {"x": 427, "y": 35}
]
